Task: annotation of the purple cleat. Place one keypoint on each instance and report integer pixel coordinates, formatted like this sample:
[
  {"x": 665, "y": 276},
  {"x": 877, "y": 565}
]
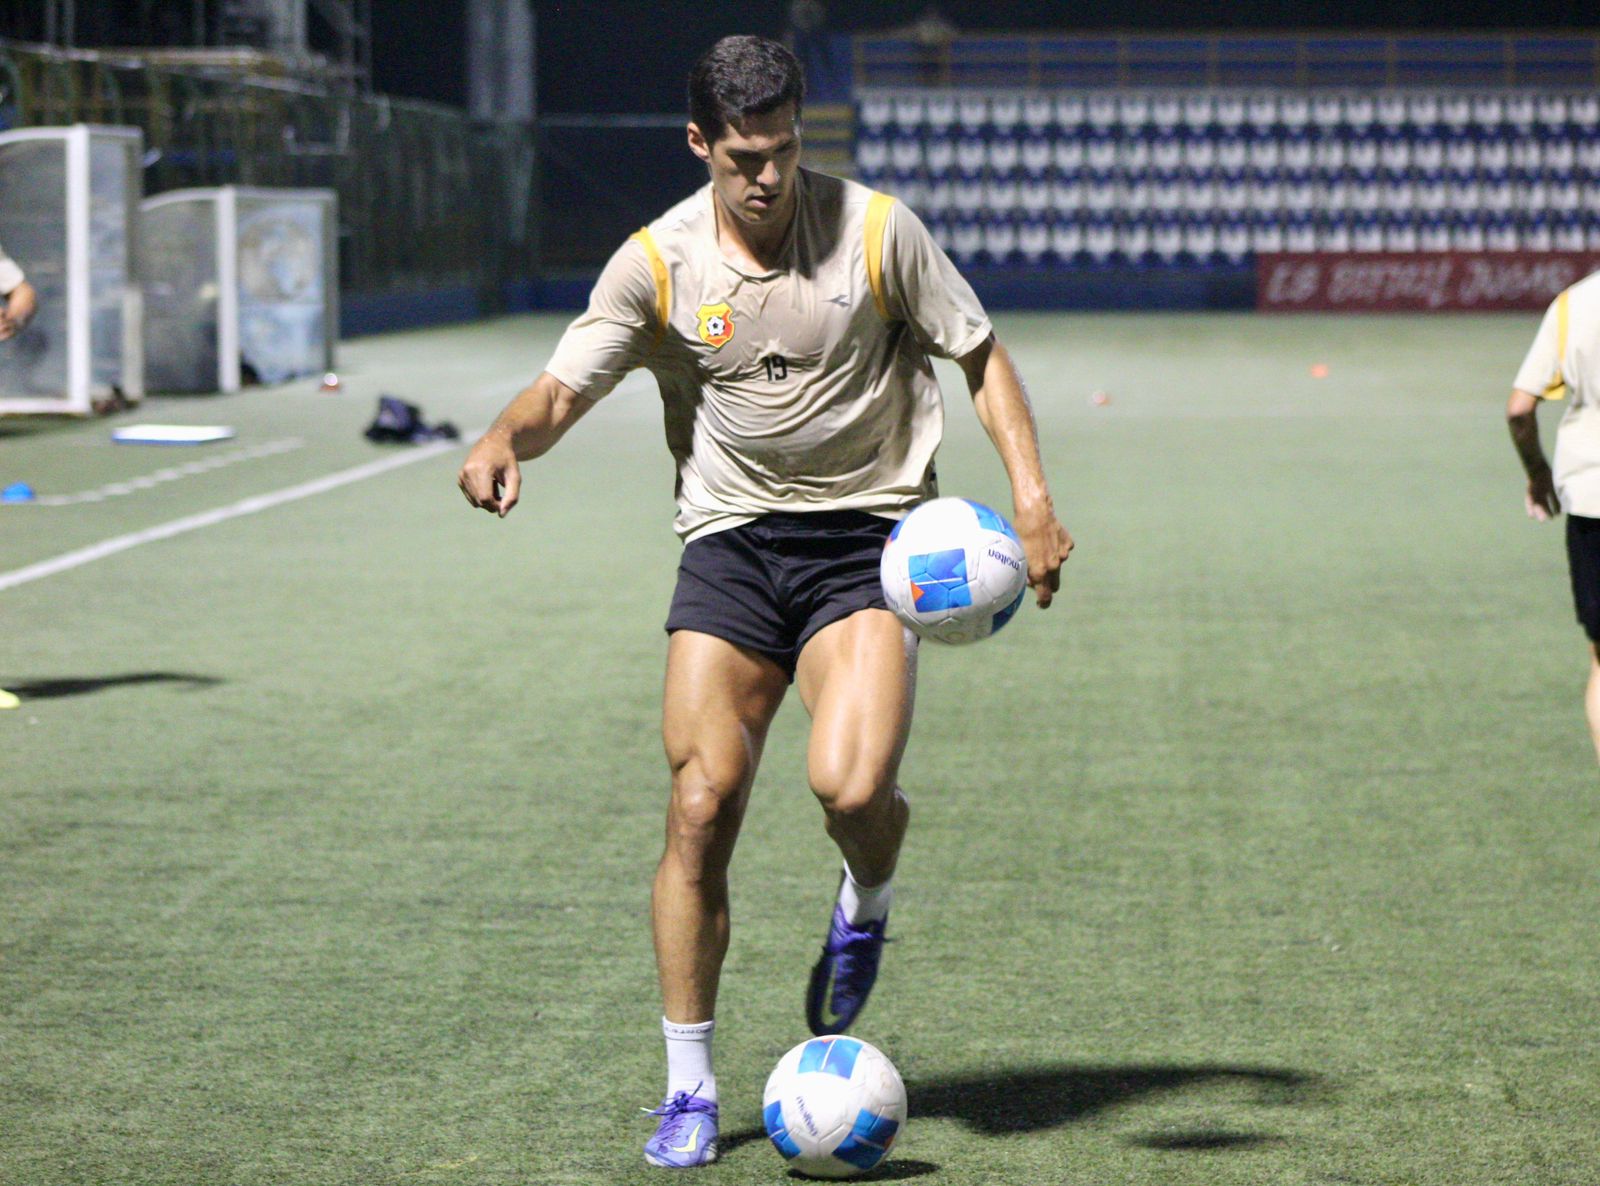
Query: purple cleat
[
  {"x": 844, "y": 975},
  {"x": 687, "y": 1134}
]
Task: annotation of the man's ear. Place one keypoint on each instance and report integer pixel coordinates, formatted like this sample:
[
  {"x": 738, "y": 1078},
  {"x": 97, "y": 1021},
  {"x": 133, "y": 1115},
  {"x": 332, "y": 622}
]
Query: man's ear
[{"x": 698, "y": 144}]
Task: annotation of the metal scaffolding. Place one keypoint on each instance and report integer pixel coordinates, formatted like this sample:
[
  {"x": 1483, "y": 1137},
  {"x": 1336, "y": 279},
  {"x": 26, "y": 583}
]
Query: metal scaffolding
[{"x": 328, "y": 42}]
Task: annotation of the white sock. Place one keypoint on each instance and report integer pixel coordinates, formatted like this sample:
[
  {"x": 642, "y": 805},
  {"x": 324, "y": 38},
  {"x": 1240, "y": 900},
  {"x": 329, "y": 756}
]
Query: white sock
[
  {"x": 689, "y": 1059},
  {"x": 862, "y": 903}
]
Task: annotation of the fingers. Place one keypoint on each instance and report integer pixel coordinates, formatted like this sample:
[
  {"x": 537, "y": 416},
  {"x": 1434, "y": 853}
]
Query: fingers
[
  {"x": 1542, "y": 505},
  {"x": 1045, "y": 579},
  {"x": 473, "y": 487},
  {"x": 510, "y": 489},
  {"x": 1044, "y": 589},
  {"x": 490, "y": 478},
  {"x": 481, "y": 488}
]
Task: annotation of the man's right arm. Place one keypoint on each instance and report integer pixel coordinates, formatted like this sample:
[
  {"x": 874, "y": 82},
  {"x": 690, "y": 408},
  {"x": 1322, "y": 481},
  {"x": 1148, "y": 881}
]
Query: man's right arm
[
  {"x": 531, "y": 423},
  {"x": 1522, "y": 412},
  {"x": 610, "y": 339}
]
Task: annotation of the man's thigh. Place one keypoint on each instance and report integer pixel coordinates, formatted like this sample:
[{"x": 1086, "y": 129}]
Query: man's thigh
[
  {"x": 857, "y": 678},
  {"x": 719, "y": 701}
]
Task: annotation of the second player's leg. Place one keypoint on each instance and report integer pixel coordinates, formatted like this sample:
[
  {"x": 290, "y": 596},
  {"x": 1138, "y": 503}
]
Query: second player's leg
[
  {"x": 1591, "y": 697},
  {"x": 857, "y": 678},
  {"x": 719, "y": 701}
]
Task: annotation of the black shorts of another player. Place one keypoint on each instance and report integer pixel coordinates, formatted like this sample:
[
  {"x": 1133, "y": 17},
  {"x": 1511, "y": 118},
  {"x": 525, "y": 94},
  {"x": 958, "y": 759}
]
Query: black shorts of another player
[
  {"x": 770, "y": 584},
  {"x": 1583, "y": 557}
]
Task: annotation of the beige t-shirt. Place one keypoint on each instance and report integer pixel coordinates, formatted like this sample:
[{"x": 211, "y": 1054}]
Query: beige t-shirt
[
  {"x": 789, "y": 390},
  {"x": 1577, "y": 462},
  {"x": 10, "y": 274}
]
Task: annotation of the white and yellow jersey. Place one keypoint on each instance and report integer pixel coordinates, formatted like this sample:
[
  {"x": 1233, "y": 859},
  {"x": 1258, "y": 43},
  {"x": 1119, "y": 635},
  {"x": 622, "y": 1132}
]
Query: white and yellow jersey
[
  {"x": 806, "y": 388},
  {"x": 1564, "y": 363}
]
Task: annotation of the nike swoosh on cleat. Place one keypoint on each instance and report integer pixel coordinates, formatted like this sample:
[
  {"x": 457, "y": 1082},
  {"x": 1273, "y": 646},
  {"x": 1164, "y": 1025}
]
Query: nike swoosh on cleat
[
  {"x": 841, "y": 301},
  {"x": 691, "y": 1144},
  {"x": 830, "y": 1012}
]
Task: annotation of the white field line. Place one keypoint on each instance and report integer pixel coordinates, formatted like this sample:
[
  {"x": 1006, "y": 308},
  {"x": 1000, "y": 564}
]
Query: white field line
[
  {"x": 247, "y": 506},
  {"x": 171, "y": 474}
]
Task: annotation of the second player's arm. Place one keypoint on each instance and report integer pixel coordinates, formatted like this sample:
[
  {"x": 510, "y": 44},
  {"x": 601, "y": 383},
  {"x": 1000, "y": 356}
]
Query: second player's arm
[
  {"x": 535, "y": 420},
  {"x": 20, "y": 304},
  {"x": 1002, "y": 406},
  {"x": 1522, "y": 411}
]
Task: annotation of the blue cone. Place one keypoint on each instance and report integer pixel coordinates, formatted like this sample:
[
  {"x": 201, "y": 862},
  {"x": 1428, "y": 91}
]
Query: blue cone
[{"x": 18, "y": 492}]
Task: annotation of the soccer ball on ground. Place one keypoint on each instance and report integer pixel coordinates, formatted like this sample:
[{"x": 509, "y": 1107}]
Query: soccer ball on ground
[
  {"x": 954, "y": 571},
  {"x": 834, "y": 1106}
]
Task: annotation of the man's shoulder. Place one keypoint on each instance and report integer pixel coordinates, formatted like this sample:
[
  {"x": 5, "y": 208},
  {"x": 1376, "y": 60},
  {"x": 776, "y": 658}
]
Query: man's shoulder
[
  {"x": 1588, "y": 287},
  {"x": 826, "y": 190},
  {"x": 683, "y": 218}
]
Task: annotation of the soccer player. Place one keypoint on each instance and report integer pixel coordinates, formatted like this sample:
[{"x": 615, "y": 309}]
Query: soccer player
[
  {"x": 20, "y": 299},
  {"x": 788, "y": 318},
  {"x": 20, "y": 302},
  {"x": 1562, "y": 364}
]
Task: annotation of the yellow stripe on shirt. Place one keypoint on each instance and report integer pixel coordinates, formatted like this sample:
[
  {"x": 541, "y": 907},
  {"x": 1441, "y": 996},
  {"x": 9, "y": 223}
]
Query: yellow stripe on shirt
[
  {"x": 1558, "y": 386},
  {"x": 877, "y": 220},
  {"x": 663, "y": 279}
]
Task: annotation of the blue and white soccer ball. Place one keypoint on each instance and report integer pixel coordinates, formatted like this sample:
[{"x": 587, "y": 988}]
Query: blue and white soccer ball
[
  {"x": 954, "y": 570},
  {"x": 834, "y": 1106}
]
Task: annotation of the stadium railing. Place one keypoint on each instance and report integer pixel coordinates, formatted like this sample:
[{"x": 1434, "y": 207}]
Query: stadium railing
[{"x": 1378, "y": 59}]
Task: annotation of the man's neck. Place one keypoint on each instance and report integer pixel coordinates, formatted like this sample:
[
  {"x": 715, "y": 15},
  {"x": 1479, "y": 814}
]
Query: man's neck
[{"x": 758, "y": 248}]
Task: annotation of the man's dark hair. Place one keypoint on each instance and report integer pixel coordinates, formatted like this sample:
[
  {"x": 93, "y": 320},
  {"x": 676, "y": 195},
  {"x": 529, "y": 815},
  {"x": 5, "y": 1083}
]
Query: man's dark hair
[{"x": 740, "y": 76}]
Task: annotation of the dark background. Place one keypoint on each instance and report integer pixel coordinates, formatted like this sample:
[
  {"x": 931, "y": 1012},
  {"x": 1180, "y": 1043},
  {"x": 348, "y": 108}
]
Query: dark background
[
  {"x": 622, "y": 55},
  {"x": 628, "y": 55}
]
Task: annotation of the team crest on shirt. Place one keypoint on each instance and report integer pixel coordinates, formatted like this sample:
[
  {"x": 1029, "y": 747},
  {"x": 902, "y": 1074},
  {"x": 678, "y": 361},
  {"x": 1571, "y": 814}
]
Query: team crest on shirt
[{"x": 716, "y": 325}]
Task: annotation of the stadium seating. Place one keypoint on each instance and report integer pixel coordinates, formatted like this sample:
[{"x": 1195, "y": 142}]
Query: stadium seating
[{"x": 1156, "y": 178}]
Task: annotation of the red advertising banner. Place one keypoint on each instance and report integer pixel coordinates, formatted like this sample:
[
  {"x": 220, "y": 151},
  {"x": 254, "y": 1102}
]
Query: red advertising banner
[{"x": 1423, "y": 281}]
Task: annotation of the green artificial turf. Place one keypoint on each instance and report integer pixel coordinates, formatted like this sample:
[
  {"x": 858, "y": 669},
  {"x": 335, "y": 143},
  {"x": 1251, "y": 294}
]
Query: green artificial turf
[{"x": 1267, "y": 856}]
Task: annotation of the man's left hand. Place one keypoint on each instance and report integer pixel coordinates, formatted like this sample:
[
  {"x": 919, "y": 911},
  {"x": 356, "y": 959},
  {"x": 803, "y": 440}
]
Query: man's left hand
[{"x": 1047, "y": 545}]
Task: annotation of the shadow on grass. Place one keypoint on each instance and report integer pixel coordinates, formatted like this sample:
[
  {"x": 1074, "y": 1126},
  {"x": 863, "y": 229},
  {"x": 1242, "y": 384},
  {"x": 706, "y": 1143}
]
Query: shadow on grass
[
  {"x": 1032, "y": 1099},
  {"x": 896, "y": 1169},
  {"x": 63, "y": 686},
  {"x": 1198, "y": 1139}
]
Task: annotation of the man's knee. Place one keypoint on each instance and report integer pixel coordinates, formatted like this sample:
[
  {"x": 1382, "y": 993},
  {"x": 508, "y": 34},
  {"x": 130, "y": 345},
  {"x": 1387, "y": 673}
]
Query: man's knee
[
  {"x": 851, "y": 791},
  {"x": 707, "y": 795}
]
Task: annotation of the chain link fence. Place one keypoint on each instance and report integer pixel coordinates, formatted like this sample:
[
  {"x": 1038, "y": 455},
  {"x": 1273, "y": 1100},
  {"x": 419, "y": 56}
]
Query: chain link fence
[{"x": 428, "y": 199}]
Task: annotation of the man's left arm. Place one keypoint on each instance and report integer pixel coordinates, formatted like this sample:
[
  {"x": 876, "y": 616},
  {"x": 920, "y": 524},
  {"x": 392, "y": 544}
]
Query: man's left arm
[
  {"x": 1540, "y": 500},
  {"x": 1003, "y": 409}
]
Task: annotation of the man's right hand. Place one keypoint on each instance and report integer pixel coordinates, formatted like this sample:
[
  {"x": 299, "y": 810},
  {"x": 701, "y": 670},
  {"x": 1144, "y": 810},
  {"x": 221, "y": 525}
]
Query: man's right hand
[{"x": 490, "y": 478}]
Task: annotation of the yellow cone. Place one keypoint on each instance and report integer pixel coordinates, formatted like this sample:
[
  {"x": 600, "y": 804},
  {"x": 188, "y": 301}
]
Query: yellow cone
[{"x": 8, "y": 699}]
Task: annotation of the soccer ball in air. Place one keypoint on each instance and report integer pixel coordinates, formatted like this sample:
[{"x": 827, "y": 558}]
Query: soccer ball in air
[
  {"x": 954, "y": 571},
  {"x": 834, "y": 1106}
]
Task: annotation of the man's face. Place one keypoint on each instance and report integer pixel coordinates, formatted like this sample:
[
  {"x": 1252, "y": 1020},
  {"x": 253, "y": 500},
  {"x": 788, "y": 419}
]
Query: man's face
[{"x": 753, "y": 165}]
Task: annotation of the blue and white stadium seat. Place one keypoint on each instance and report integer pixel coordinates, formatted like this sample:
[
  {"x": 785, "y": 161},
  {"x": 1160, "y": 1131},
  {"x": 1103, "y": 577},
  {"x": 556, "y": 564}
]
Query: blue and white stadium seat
[{"x": 1153, "y": 178}]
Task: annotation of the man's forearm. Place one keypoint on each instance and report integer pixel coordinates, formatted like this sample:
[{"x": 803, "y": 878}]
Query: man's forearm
[
  {"x": 1525, "y": 436},
  {"x": 538, "y": 417},
  {"x": 1002, "y": 406}
]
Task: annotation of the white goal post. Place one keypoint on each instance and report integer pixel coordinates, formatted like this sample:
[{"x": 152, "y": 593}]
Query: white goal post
[
  {"x": 69, "y": 202},
  {"x": 238, "y": 279}
]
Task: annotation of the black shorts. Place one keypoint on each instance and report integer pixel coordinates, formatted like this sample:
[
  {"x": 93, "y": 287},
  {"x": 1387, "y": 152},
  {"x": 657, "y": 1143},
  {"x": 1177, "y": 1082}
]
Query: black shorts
[
  {"x": 770, "y": 584},
  {"x": 1583, "y": 557}
]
